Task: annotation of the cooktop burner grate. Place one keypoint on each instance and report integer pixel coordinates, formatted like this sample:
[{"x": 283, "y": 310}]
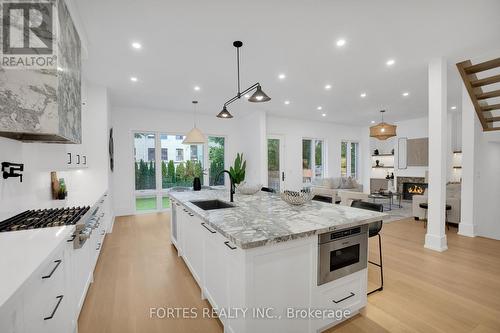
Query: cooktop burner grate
[{"x": 43, "y": 218}]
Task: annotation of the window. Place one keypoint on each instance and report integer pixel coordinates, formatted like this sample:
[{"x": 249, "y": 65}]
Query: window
[
  {"x": 216, "y": 156},
  {"x": 179, "y": 155},
  {"x": 349, "y": 159},
  {"x": 171, "y": 170},
  {"x": 313, "y": 156}
]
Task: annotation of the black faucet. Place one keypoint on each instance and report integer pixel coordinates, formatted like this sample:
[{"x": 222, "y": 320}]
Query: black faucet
[
  {"x": 12, "y": 168},
  {"x": 232, "y": 190}
]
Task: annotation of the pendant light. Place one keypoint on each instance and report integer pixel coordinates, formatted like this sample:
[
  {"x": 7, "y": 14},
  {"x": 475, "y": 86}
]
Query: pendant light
[
  {"x": 258, "y": 96},
  {"x": 194, "y": 136},
  {"x": 224, "y": 113},
  {"x": 382, "y": 130}
]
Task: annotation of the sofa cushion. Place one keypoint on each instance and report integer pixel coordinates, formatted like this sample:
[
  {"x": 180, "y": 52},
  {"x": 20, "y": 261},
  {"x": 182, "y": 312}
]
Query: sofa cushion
[{"x": 323, "y": 182}]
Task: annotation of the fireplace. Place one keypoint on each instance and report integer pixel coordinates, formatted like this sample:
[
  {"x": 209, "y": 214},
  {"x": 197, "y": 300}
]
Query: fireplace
[{"x": 411, "y": 189}]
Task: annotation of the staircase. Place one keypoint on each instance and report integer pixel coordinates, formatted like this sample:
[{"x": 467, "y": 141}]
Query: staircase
[{"x": 487, "y": 112}]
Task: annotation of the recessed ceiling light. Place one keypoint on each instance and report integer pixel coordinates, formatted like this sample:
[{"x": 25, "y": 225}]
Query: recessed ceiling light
[
  {"x": 323, "y": 114},
  {"x": 319, "y": 108},
  {"x": 390, "y": 62},
  {"x": 287, "y": 102},
  {"x": 362, "y": 95},
  {"x": 373, "y": 121},
  {"x": 282, "y": 76},
  {"x": 136, "y": 45},
  {"x": 405, "y": 94},
  {"x": 196, "y": 88},
  {"x": 453, "y": 107},
  {"x": 340, "y": 42},
  {"x": 328, "y": 87},
  {"x": 247, "y": 96},
  {"x": 133, "y": 79}
]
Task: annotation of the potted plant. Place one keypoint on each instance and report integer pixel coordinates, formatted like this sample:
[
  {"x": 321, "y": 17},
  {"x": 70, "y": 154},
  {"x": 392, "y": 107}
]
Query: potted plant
[{"x": 238, "y": 170}]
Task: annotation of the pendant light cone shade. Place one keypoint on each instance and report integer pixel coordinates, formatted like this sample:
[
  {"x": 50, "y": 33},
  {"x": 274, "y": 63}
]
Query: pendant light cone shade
[
  {"x": 259, "y": 96},
  {"x": 224, "y": 114},
  {"x": 383, "y": 130},
  {"x": 194, "y": 136}
]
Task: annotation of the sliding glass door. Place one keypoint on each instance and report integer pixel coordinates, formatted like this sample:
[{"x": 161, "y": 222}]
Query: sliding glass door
[{"x": 162, "y": 161}]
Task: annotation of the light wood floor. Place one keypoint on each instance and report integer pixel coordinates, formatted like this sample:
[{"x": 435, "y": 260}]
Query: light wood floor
[{"x": 425, "y": 291}]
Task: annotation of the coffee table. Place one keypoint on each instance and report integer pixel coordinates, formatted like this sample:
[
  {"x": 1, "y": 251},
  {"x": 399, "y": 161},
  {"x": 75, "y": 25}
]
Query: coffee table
[{"x": 379, "y": 196}]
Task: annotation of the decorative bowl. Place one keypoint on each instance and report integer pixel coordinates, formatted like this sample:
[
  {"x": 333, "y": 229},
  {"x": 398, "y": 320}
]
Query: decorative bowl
[
  {"x": 245, "y": 188},
  {"x": 296, "y": 198}
]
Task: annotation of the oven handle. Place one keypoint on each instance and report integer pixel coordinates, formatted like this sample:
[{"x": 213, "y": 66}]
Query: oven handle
[{"x": 343, "y": 299}]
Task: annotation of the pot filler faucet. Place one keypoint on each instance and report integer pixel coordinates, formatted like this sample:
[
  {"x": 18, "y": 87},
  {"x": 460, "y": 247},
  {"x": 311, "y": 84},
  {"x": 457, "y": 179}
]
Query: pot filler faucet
[
  {"x": 232, "y": 190},
  {"x": 12, "y": 168}
]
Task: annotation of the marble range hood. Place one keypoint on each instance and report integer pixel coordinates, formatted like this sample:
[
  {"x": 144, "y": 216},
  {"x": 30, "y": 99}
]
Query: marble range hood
[{"x": 44, "y": 105}]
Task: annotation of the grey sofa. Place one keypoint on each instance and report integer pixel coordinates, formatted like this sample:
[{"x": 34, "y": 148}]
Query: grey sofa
[{"x": 330, "y": 187}]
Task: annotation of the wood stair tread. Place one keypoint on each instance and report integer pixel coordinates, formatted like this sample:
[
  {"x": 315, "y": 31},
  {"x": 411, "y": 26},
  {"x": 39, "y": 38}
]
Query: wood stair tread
[
  {"x": 491, "y": 107},
  {"x": 481, "y": 67},
  {"x": 489, "y": 94},
  {"x": 486, "y": 81}
]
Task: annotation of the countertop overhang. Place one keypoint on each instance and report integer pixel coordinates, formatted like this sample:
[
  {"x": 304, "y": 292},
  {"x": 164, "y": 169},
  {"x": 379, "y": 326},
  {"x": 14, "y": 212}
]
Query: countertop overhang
[{"x": 263, "y": 218}]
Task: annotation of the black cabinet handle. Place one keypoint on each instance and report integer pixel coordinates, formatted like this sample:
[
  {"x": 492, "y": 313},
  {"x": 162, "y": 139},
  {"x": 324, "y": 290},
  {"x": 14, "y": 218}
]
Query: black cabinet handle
[
  {"x": 58, "y": 262},
  {"x": 98, "y": 246},
  {"x": 84, "y": 159},
  {"x": 229, "y": 246},
  {"x": 283, "y": 175},
  {"x": 205, "y": 226},
  {"x": 191, "y": 214},
  {"x": 72, "y": 238},
  {"x": 70, "y": 161},
  {"x": 77, "y": 159},
  {"x": 60, "y": 297},
  {"x": 343, "y": 299}
]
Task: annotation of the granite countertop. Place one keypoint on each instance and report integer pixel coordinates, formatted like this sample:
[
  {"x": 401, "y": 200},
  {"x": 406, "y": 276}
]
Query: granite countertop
[{"x": 263, "y": 218}]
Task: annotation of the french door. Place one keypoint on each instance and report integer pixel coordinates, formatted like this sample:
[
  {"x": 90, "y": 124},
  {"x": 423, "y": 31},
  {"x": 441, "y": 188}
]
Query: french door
[{"x": 275, "y": 162}]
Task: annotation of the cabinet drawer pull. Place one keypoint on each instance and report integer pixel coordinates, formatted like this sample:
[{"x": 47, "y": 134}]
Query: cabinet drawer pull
[
  {"x": 77, "y": 159},
  {"x": 60, "y": 297},
  {"x": 98, "y": 246},
  {"x": 58, "y": 262},
  {"x": 191, "y": 214},
  {"x": 70, "y": 160},
  {"x": 229, "y": 245},
  {"x": 103, "y": 232},
  {"x": 177, "y": 204},
  {"x": 185, "y": 210},
  {"x": 72, "y": 238},
  {"x": 343, "y": 299},
  {"x": 205, "y": 226}
]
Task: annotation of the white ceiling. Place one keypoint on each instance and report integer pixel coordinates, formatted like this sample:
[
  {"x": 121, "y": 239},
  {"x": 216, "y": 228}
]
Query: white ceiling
[{"x": 188, "y": 43}]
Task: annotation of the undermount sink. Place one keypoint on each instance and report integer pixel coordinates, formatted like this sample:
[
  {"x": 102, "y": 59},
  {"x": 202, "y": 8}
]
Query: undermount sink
[{"x": 212, "y": 204}]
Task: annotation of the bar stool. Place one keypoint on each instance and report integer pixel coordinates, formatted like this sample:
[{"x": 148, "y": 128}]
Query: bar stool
[{"x": 374, "y": 230}]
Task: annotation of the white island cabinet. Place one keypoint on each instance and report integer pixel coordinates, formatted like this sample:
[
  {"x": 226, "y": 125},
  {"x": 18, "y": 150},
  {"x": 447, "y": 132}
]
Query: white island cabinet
[{"x": 260, "y": 283}]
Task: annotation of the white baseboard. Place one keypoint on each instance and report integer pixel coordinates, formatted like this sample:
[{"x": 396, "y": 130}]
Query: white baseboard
[
  {"x": 469, "y": 230},
  {"x": 436, "y": 243}
]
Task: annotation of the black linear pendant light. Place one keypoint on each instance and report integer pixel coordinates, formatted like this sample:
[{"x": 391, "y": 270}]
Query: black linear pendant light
[{"x": 258, "y": 96}]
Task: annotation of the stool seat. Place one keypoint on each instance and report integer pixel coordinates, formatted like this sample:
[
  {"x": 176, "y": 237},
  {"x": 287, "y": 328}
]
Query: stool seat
[{"x": 425, "y": 205}]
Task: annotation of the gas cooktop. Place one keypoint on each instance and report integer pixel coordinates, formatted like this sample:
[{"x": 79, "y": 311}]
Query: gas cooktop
[{"x": 43, "y": 218}]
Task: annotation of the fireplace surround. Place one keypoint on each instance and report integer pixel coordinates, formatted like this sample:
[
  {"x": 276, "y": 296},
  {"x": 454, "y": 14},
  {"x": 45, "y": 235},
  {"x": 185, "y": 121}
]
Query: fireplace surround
[{"x": 409, "y": 186}]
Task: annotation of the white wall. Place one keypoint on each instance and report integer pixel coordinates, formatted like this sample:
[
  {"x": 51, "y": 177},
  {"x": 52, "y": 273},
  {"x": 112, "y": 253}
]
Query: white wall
[
  {"x": 295, "y": 130},
  {"x": 487, "y": 192},
  {"x": 41, "y": 158},
  {"x": 243, "y": 134}
]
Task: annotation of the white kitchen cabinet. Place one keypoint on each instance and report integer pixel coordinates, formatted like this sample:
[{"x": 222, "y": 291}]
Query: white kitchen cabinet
[
  {"x": 194, "y": 247},
  {"x": 47, "y": 303},
  {"x": 174, "y": 225},
  {"x": 216, "y": 270},
  {"x": 12, "y": 316}
]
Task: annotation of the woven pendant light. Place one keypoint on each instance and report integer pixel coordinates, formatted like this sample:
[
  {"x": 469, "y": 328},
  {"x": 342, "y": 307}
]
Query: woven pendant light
[{"x": 383, "y": 130}]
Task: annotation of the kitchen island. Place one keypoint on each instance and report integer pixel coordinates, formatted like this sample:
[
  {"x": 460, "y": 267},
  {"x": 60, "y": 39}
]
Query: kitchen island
[{"x": 258, "y": 262}]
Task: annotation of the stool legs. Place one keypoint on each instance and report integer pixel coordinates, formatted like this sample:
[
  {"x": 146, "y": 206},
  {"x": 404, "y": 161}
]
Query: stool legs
[{"x": 379, "y": 265}]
